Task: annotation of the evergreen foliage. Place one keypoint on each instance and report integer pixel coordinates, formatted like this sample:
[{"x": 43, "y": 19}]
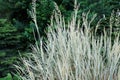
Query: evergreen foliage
[{"x": 10, "y": 42}]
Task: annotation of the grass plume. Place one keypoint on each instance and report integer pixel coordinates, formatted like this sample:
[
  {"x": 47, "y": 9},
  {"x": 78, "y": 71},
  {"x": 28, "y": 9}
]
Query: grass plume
[{"x": 72, "y": 53}]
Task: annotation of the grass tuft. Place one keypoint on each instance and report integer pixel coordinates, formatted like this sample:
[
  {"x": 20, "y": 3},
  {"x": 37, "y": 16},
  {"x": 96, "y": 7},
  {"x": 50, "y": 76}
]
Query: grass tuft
[{"x": 72, "y": 52}]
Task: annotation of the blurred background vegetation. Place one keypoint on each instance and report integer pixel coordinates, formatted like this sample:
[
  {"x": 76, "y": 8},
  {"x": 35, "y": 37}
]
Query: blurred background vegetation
[{"x": 16, "y": 25}]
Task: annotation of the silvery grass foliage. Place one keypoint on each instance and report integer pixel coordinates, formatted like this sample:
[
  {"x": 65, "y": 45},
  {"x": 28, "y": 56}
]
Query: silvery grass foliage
[{"x": 72, "y": 53}]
